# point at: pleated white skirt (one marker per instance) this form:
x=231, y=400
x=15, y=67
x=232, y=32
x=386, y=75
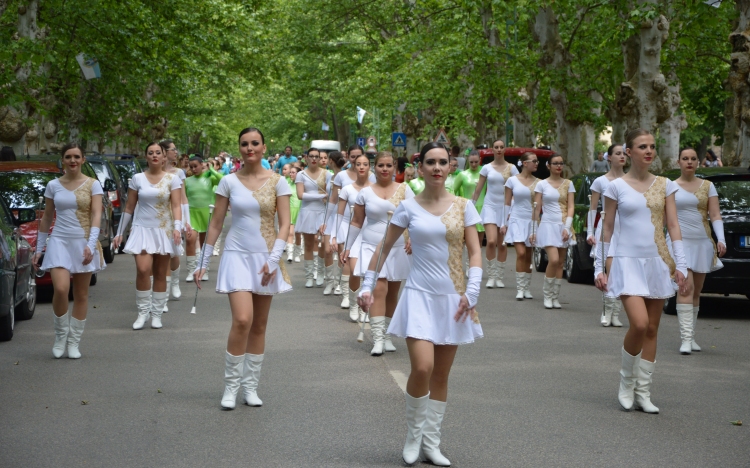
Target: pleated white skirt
x=395, y=268
x=644, y=277
x=519, y=230
x=65, y=252
x=238, y=271
x=153, y=241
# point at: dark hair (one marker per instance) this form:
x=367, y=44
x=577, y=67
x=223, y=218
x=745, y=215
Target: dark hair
x=153, y=143
x=355, y=147
x=337, y=158
x=498, y=139
x=7, y=154
x=708, y=151
x=195, y=157
x=633, y=134
x=556, y=155
x=362, y=156
x=430, y=146
x=71, y=146
x=311, y=150
x=611, y=148
x=401, y=163
x=288, y=148
x=526, y=156
x=455, y=149
x=252, y=129
x=691, y=148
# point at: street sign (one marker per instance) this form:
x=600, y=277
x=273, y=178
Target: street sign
x=442, y=138
x=398, y=140
x=361, y=141
x=372, y=142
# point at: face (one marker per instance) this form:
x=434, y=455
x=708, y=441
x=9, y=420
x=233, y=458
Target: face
x=155, y=156
x=643, y=150
x=409, y=174
x=323, y=162
x=354, y=154
x=617, y=158
x=185, y=163
x=72, y=160
x=196, y=167
x=252, y=148
x=435, y=167
x=285, y=170
x=384, y=168
x=293, y=172
x=601, y=156
x=362, y=166
x=556, y=165
x=313, y=159
x=531, y=164
x=499, y=148
x=474, y=162
x=171, y=152
x=454, y=165
x=288, y=152
x=688, y=161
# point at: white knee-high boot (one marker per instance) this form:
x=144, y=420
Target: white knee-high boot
x=616, y=308
x=320, y=278
x=158, y=301
x=491, y=273
x=548, y=290
x=174, y=280
x=62, y=329
x=345, y=297
x=377, y=328
x=685, y=319
x=191, y=263
x=694, y=345
x=289, y=252
x=297, y=253
x=232, y=373
x=387, y=343
x=628, y=374
x=643, y=387
x=431, y=434
x=520, y=277
x=309, y=273
x=556, y=294
x=353, y=307
x=74, y=337
x=606, y=318
x=527, y=283
x=499, y=274
x=416, y=414
x=143, y=303
x=329, y=281
x=251, y=379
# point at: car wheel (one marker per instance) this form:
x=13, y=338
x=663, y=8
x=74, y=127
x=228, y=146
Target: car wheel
x=93, y=280
x=6, y=327
x=109, y=252
x=670, y=306
x=25, y=310
x=539, y=258
x=573, y=267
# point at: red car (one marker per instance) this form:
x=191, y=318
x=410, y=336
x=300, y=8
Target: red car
x=22, y=185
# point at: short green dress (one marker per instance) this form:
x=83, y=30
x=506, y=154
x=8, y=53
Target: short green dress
x=293, y=201
x=464, y=185
x=200, y=194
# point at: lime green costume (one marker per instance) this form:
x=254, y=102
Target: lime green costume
x=417, y=185
x=450, y=181
x=294, y=202
x=200, y=193
x=464, y=185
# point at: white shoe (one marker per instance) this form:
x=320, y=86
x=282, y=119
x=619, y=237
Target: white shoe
x=527, y=282
x=431, y=434
x=387, y=343
x=606, y=317
x=364, y=317
x=377, y=329
x=205, y=276
x=345, y=297
x=62, y=329
x=336, y=278
x=158, y=302
x=191, y=264
x=491, y=272
x=685, y=320
x=547, y=289
x=289, y=252
x=74, y=337
x=556, y=294
x=353, y=307
x=175, y=282
x=628, y=374
x=143, y=303
x=329, y=281
x=416, y=414
x=320, y=277
x=315, y=266
x=616, y=308
x=251, y=378
x=232, y=373
x=519, y=285
x=694, y=346
x=643, y=388
x=309, y=273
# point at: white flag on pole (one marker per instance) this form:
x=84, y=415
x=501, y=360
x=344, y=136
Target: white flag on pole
x=325, y=127
x=360, y=114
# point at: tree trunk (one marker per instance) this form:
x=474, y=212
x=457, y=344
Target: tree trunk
x=739, y=73
x=522, y=110
x=731, y=135
x=672, y=127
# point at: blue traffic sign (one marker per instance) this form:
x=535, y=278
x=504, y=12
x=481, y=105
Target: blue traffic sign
x=398, y=140
x=361, y=141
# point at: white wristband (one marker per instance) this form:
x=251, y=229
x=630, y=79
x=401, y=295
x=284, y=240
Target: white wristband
x=503, y=215
x=124, y=223
x=568, y=223
x=678, y=253
x=353, y=233
x=600, y=258
x=719, y=231
x=368, y=284
x=93, y=238
x=41, y=240
x=473, y=286
x=177, y=225
x=208, y=250
x=185, y=214
x=274, y=256
x=590, y=221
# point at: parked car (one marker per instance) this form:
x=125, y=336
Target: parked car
x=17, y=281
x=513, y=154
x=127, y=169
x=105, y=170
x=22, y=186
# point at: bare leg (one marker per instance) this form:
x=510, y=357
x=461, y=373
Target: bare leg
x=553, y=262
x=354, y=281
x=81, y=283
x=502, y=249
x=444, y=356
x=644, y=316
x=61, y=285
x=561, y=253
x=290, y=239
x=379, y=294
x=391, y=299
x=241, y=305
x=160, y=268
x=492, y=233
x=191, y=244
x=256, y=340
x=143, y=264
x=698, y=280
x=521, y=265
x=422, y=358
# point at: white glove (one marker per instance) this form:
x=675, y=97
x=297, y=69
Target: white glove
x=41, y=240
x=368, y=284
x=93, y=238
x=590, y=220
x=339, y=219
x=185, y=214
x=718, y=230
x=313, y=196
x=599, y=260
x=275, y=256
x=503, y=215
x=678, y=253
x=124, y=223
x=208, y=250
x=178, y=225
x=568, y=224
x=473, y=286
x=353, y=233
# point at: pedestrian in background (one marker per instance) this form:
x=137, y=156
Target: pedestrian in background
x=599, y=165
x=712, y=160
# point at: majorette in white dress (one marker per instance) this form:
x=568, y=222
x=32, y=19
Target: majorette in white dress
x=554, y=211
x=70, y=234
x=251, y=237
x=641, y=264
x=342, y=180
x=397, y=265
x=520, y=221
x=494, y=199
x=600, y=186
x=692, y=214
x=312, y=210
x=436, y=281
x=349, y=195
x=153, y=223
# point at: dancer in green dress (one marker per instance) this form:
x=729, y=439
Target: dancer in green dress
x=451, y=179
x=199, y=189
x=417, y=185
x=290, y=173
x=466, y=182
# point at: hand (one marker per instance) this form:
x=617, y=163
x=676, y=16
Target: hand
x=407, y=247
x=333, y=242
x=365, y=301
x=116, y=242
x=197, y=275
x=679, y=278
x=188, y=234
x=322, y=229
x=188, y=229
x=87, y=255
x=35, y=260
x=503, y=232
x=267, y=277
x=329, y=249
x=532, y=239
x=345, y=257
x=464, y=311
x=721, y=248
x=565, y=235
x=176, y=237
x=601, y=282
x=591, y=240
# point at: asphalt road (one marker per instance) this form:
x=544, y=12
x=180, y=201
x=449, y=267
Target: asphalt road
x=538, y=390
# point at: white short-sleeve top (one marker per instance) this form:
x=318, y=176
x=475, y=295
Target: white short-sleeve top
x=437, y=245
x=349, y=195
x=554, y=200
x=600, y=186
x=72, y=207
x=318, y=186
x=253, y=211
x=343, y=180
x=523, y=198
x=495, y=195
x=154, y=208
x=640, y=232
x=692, y=210
x=376, y=212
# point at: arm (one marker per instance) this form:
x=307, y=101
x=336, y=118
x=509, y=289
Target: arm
x=715, y=215
x=478, y=189
x=535, y=214
x=44, y=225
x=506, y=210
x=214, y=176
x=176, y=214
x=591, y=218
x=467, y=304
x=96, y=221
x=600, y=273
x=335, y=189
x=678, y=253
x=127, y=215
x=569, y=216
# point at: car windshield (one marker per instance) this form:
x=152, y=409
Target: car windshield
x=101, y=172
x=734, y=196
x=23, y=189
x=127, y=171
